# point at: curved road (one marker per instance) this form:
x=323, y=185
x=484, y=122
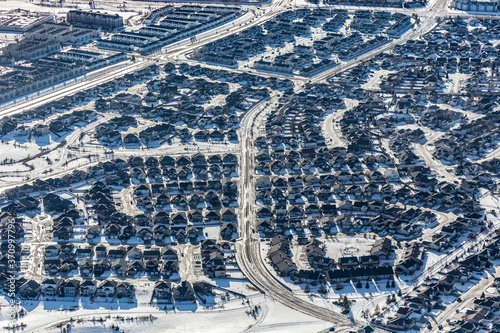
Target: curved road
x=248, y=254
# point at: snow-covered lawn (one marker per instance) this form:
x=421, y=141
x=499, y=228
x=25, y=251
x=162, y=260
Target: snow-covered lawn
x=348, y=246
x=231, y=317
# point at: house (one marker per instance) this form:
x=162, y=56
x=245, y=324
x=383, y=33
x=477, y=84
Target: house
x=369, y=261
x=152, y=268
x=88, y=288
x=145, y=234
x=487, y=303
x=308, y=276
x=53, y=202
x=404, y=312
x=227, y=231
x=184, y=292
x=30, y=289
x=263, y=183
x=381, y=248
x=321, y=263
x=163, y=290
x=106, y=289
x=339, y=275
x=212, y=216
x=266, y=228
x=169, y=268
x=84, y=252
x=117, y=253
x=286, y=267
x=50, y=287
x=196, y=216
x=134, y=252
x=348, y=262
x=52, y=251
x=124, y=289
x=411, y=259
x=219, y=271
x=400, y=324
x=86, y=267
x=135, y=267
x=169, y=254
x=100, y=251
x=203, y=288
x=228, y=215
x=101, y=266
x=69, y=288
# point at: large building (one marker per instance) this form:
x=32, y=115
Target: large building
x=30, y=49
x=63, y=33
x=19, y=22
x=476, y=6
x=105, y=21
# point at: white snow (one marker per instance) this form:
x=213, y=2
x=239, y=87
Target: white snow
x=231, y=317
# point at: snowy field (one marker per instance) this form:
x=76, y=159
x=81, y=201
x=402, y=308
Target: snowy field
x=272, y=317
x=110, y=7
x=340, y=247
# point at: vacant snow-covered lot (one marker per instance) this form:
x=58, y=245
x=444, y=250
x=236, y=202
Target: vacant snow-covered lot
x=232, y=317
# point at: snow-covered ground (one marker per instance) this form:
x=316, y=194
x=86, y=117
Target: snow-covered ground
x=348, y=246
x=108, y=7
x=231, y=317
